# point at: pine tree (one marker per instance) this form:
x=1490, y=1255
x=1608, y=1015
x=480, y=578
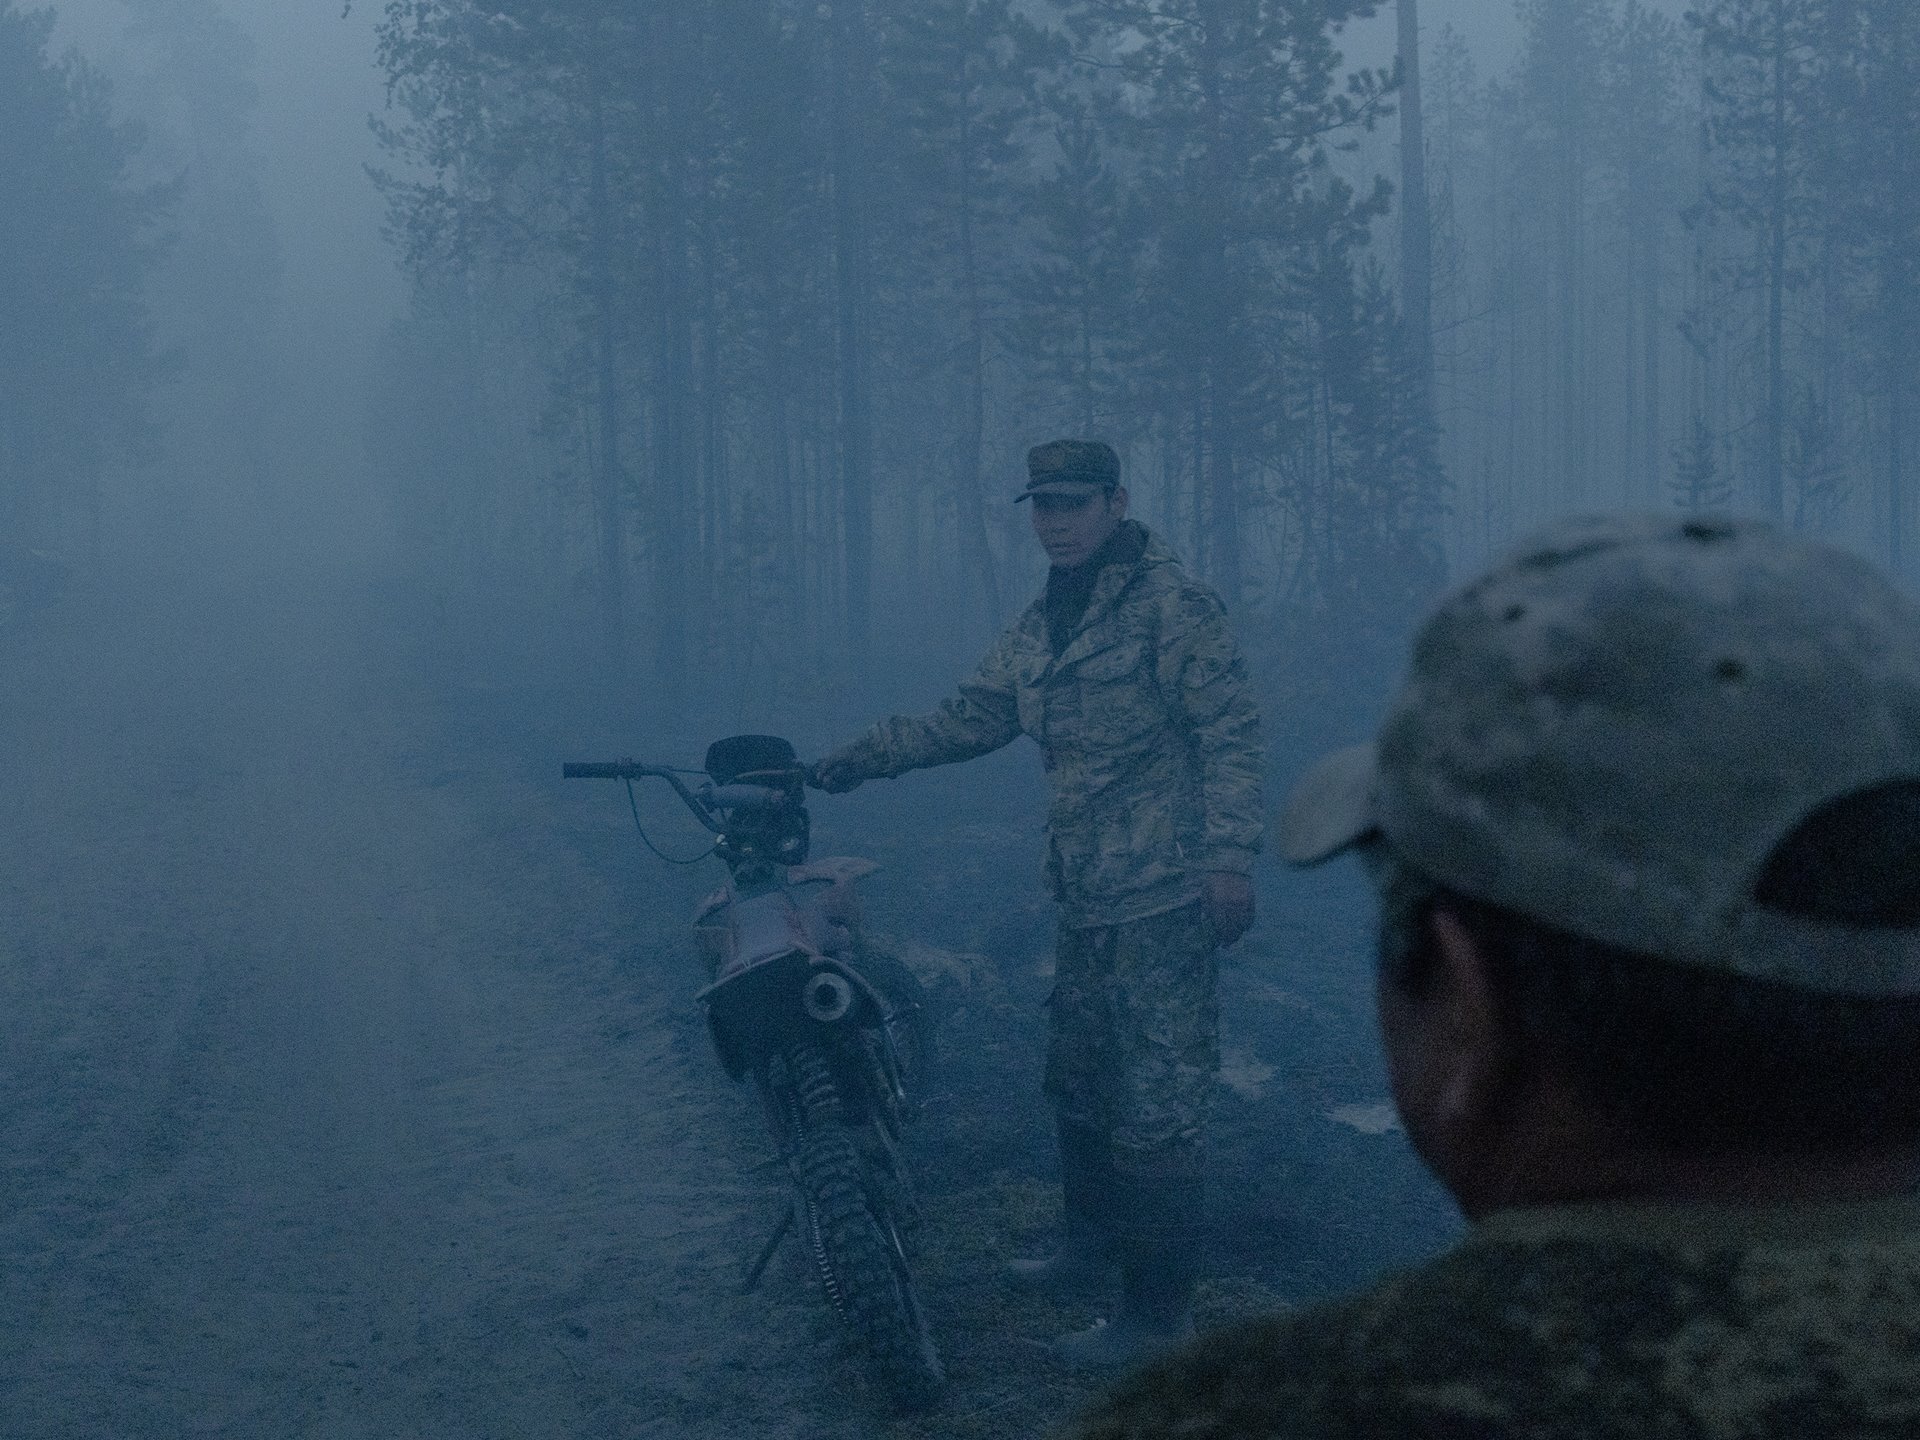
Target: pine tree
x=78, y=242
x=1697, y=482
x=1226, y=106
x=1875, y=197
x=1643, y=127
x=1075, y=298
x=1463, y=305
x=1766, y=64
x=1816, y=478
x=216, y=294
x=1559, y=99
x=1416, y=223
x=961, y=77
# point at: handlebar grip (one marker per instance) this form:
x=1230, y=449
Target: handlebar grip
x=594, y=770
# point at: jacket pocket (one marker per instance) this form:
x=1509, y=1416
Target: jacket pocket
x=1114, y=698
x=1124, y=660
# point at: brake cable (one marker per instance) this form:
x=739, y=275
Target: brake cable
x=634, y=805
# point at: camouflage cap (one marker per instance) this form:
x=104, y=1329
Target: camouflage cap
x=1613, y=730
x=1063, y=466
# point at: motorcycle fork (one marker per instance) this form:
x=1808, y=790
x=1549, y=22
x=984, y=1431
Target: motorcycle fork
x=785, y=1110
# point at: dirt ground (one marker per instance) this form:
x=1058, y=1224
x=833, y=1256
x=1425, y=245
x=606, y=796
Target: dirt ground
x=350, y=1083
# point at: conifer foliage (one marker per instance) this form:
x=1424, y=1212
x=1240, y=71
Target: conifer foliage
x=800, y=283
x=78, y=238
x=1677, y=262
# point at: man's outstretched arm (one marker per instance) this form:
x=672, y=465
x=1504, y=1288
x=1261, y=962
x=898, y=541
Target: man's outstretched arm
x=980, y=717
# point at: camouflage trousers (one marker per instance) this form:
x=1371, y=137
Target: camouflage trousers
x=1134, y=1042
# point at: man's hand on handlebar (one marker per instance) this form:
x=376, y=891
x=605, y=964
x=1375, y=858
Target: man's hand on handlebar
x=834, y=775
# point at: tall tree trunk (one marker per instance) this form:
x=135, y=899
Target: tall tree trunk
x=1898, y=296
x=1632, y=348
x=1650, y=337
x=1087, y=406
x=1896, y=480
x=1574, y=312
x=674, y=447
x=851, y=81
x=971, y=509
x=788, y=518
x=1776, y=419
x=1198, y=498
x=1416, y=225
x=1644, y=314
x=609, y=477
x=1225, y=496
x=1510, y=447
x=1222, y=374
x=716, y=496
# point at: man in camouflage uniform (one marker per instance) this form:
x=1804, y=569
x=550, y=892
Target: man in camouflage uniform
x=1645, y=818
x=1125, y=673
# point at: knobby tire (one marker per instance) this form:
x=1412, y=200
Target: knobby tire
x=854, y=1245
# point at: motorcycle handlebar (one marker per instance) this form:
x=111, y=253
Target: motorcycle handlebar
x=706, y=803
x=702, y=810
x=597, y=770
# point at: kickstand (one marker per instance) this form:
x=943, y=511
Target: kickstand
x=759, y=1266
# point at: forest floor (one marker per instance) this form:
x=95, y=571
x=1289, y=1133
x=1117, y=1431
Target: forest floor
x=352, y=1085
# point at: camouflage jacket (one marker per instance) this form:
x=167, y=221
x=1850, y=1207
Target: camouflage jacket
x=1605, y=1322
x=1147, y=727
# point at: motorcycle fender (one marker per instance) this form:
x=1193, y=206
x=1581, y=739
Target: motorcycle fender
x=834, y=869
x=765, y=927
x=739, y=972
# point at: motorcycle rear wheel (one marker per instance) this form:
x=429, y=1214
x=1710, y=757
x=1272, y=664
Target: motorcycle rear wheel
x=862, y=1265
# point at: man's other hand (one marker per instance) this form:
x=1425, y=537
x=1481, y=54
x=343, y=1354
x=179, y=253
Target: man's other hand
x=1229, y=901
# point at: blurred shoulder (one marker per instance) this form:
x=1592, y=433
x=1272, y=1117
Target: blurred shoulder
x=1272, y=1377
x=1442, y=1349
x=1594, y=1323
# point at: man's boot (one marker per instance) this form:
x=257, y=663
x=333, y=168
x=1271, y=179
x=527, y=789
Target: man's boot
x=1160, y=1233
x=1084, y=1257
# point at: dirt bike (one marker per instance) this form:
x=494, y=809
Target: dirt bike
x=826, y=1029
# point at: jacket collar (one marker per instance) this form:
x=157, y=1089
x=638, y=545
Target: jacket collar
x=1115, y=580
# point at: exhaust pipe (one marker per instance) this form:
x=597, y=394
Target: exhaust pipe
x=826, y=997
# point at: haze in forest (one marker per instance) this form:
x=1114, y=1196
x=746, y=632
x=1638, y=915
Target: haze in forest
x=337, y=281
x=647, y=373
x=690, y=355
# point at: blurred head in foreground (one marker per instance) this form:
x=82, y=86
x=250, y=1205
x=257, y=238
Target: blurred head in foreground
x=1645, y=821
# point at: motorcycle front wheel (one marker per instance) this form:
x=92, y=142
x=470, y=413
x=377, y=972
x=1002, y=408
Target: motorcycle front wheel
x=862, y=1265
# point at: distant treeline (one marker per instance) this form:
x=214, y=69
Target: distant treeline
x=732, y=321
x=740, y=316
x=138, y=283
x=78, y=242
x=1676, y=261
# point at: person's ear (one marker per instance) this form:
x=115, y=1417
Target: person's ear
x=1117, y=502
x=1473, y=1050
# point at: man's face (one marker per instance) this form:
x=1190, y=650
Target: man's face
x=1073, y=524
